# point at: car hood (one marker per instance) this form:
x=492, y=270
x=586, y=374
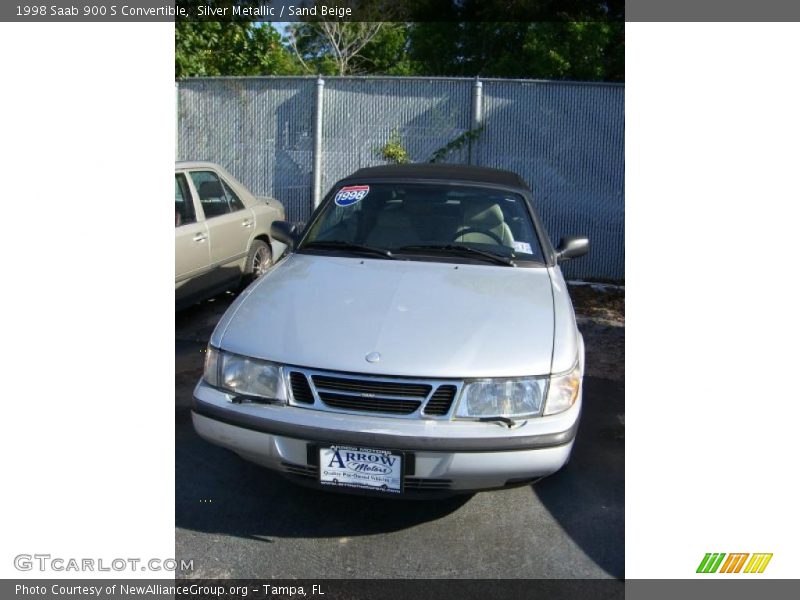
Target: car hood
x=425, y=319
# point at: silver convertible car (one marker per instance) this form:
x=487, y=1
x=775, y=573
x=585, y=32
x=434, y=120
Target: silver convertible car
x=417, y=339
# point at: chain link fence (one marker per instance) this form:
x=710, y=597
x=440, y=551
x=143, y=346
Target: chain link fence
x=565, y=139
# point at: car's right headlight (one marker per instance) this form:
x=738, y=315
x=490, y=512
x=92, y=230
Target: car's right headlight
x=563, y=390
x=244, y=376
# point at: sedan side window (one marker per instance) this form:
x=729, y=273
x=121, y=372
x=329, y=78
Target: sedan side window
x=233, y=199
x=212, y=194
x=184, y=207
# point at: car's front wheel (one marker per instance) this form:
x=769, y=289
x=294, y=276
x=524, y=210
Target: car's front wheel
x=259, y=259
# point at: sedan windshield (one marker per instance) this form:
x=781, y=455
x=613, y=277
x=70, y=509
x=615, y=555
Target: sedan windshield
x=414, y=220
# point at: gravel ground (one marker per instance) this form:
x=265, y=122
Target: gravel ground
x=600, y=311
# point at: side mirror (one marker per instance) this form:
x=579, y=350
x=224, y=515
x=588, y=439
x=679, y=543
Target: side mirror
x=284, y=232
x=571, y=247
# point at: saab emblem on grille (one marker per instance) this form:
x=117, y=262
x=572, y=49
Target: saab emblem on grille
x=373, y=357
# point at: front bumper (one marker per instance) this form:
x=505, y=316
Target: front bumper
x=455, y=456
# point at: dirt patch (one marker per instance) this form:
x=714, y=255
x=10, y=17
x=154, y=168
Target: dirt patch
x=599, y=301
x=600, y=311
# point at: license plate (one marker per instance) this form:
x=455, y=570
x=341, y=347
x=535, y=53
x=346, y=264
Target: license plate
x=365, y=468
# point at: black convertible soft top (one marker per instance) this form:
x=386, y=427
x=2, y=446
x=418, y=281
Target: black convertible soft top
x=442, y=171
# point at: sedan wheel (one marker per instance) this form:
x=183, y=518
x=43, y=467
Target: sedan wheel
x=259, y=260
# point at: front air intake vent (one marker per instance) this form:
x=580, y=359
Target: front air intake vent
x=301, y=391
x=441, y=401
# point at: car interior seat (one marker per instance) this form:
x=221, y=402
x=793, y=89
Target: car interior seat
x=484, y=223
x=392, y=229
x=434, y=220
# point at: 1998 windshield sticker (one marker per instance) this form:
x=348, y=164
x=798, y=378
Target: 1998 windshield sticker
x=350, y=194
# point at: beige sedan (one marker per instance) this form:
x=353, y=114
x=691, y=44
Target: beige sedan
x=221, y=232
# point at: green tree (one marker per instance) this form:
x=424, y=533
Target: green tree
x=214, y=48
x=591, y=50
x=388, y=54
x=350, y=48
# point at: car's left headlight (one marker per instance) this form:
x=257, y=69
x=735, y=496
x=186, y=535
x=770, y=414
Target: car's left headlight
x=520, y=397
x=244, y=376
x=510, y=398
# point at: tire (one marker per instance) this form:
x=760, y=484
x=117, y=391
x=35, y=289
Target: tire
x=259, y=259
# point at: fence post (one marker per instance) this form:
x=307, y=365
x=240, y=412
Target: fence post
x=177, y=121
x=317, y=169
x=477, y=111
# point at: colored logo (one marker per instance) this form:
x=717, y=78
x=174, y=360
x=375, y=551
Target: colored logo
x=719, y=562
x=350, y=194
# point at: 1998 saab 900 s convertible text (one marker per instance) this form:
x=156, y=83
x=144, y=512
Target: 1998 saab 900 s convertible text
x=418, y=337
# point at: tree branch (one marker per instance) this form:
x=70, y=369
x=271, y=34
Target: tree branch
x=293, y=43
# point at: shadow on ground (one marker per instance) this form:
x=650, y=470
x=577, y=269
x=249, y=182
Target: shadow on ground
x=587, y=497
x=253, y=502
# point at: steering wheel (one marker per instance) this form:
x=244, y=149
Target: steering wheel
x=485, y=232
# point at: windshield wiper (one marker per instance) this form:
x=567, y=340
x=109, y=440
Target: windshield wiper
x=460, y=249
x=342, y=245
x=504, y=420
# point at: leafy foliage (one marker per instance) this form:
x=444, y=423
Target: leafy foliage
x=352, y=48
x=456, y=143
x=393, y=151
x=591, y=49
x=587, y=51
x=233, y=48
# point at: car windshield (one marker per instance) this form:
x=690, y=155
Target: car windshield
x=414, y=219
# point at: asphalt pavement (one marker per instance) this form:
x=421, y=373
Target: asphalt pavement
x=235, y=519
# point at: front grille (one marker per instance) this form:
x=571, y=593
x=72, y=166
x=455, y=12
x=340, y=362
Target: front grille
x=366, y=386
x=373, y=394
x=300, y=388
x=389, y=406
x=441, y=401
